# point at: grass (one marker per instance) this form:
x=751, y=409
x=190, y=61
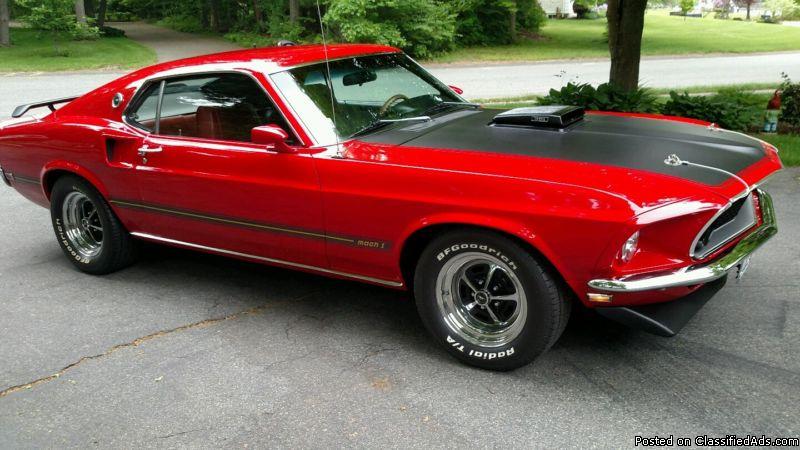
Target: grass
x=663, y=35
x=788, y=145
x=34, y=50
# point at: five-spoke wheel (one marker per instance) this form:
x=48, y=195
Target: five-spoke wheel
x=489, y=301
x=481, y=299
x=87, y=229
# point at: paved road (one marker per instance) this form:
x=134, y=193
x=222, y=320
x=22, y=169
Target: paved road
x=479, y=82
x=187, y=350
x=489, y=81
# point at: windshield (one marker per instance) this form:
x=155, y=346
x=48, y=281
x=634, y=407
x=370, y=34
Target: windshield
x=366, y=91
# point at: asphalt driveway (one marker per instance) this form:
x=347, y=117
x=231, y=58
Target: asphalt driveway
x=188, y=350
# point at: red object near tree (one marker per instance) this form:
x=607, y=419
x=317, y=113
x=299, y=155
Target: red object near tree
x=775, y=101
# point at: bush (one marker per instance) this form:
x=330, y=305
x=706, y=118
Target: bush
x=790, y=102
x=83, y=32
x=728, y=109
x=422, y=28
x=486, y=22
x=48, y=15
x=107, y=31
x=581, y=8
x=606, y=97
x=56, y=16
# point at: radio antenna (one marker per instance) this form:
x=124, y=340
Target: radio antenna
x=329, y=80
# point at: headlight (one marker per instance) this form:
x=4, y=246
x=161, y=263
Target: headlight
x=629, y=248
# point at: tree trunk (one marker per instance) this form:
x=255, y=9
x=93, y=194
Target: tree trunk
x=80, y=11
x=625, y=26
x=213, y=15
x=5, y=34
x=294, y=11
x=748, y=10
x=257, y=13
x=513, y=25
x=101, y=13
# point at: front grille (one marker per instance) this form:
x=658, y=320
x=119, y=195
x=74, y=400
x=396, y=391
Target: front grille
x=733, y=221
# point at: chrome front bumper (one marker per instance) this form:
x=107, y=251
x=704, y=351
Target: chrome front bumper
x=693, y=275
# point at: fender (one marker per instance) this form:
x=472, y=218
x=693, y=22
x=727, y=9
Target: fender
x=499, y=224
x=74, y=168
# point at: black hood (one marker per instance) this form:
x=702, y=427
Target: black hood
x=635, y=143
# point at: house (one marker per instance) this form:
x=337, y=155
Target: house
x=557, y=8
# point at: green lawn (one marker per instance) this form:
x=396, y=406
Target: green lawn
x=663, y=35
x=788, y=145
x=33, y=50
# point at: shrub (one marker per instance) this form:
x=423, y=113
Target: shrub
x=581, y=8
x=790, y=102
x=686, y=6
x=422, y=28
x=486, y=22
x=83, y=32
x=606, y=97
x=108, y=31
x=728, y=109
x=48, y=15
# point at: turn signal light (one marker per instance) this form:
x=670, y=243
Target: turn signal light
x=600, y=298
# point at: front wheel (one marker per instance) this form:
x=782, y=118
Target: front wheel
x=89, y=233
x=488, y=301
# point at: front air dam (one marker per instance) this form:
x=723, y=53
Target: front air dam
x=664, y=319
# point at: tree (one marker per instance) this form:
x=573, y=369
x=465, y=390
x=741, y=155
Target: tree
x=625, y=27
x=80, y=11
x=294, y=11
x=686, y=6
x=747, y=4
x=5, y=36
x=102, y=7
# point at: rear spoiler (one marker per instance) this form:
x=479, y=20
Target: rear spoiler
x=20, y=110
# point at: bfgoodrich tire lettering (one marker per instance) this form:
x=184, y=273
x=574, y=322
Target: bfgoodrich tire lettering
x=87, y=230
x=488, y=301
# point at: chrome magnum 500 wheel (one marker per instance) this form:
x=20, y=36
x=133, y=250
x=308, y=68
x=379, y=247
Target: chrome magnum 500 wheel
x=488, y=301
x=89, y=233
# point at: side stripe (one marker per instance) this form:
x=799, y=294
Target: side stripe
x=26, y=180
x=356, y=242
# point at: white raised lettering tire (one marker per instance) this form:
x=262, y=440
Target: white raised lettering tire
x=88, y=231
x=488, y=301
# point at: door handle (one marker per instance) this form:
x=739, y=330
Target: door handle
x=145, y=150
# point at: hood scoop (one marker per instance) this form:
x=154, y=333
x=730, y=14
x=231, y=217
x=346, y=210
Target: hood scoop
x=555, y=117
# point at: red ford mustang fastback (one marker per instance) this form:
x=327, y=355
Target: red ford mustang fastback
x=368, y=168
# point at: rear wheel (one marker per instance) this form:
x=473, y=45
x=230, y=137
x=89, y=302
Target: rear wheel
x=89, y=233
x=488, y=301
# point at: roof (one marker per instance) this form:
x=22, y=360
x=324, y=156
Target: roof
x=283, y=57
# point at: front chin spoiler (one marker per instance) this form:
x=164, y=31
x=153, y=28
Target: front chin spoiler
x=664, y=319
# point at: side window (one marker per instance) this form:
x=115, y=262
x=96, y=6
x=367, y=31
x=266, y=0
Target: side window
x=220, y=106
x=143, y=112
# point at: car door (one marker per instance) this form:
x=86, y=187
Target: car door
x=203, y=183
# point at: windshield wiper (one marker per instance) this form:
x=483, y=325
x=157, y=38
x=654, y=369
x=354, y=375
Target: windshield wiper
x=471, y=105
x=441, y=105
x=380, y=123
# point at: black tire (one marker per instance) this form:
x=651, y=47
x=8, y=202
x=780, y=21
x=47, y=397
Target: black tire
x=547, y=304
x=113, y=250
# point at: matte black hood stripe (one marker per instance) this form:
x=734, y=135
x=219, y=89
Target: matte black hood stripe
x=634, y=143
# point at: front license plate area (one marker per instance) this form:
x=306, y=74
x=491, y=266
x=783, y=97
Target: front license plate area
x=741, y=269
